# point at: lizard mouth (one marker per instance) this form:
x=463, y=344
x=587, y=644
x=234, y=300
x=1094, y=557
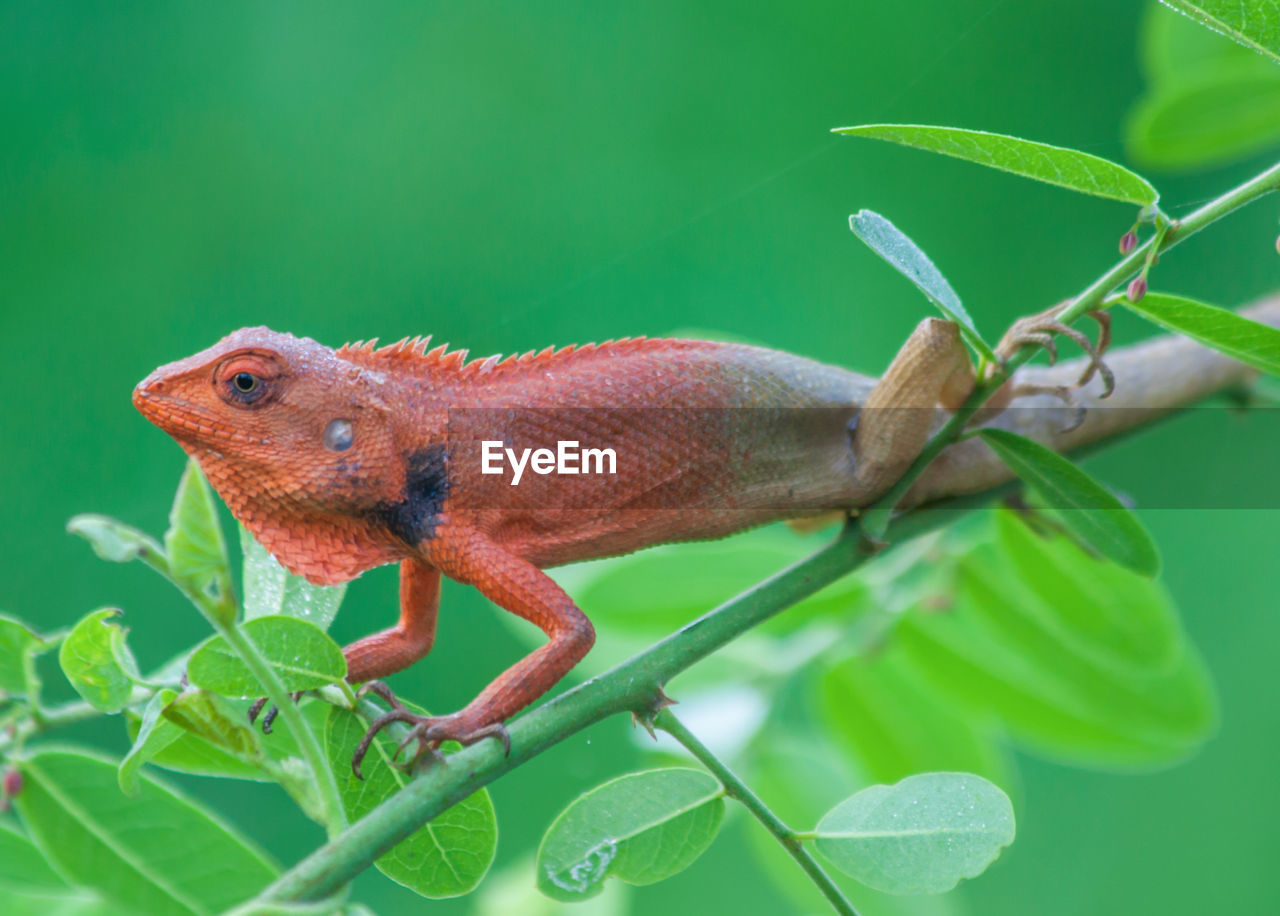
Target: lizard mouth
x=181, y=419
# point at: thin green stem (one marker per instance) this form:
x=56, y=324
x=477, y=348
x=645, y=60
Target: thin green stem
x=736, y=789
x=221, y=611
x=335, y=818
x=34, y=722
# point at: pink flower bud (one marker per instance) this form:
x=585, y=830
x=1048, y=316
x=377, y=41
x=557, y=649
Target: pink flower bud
x=12, y=783
x=1137, y=289
x=1128, y=242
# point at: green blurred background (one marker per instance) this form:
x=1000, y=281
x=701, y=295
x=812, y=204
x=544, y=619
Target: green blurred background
x=507, y=176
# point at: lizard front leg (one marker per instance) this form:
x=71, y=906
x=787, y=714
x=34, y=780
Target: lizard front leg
x=398, y=647
x=518, y=586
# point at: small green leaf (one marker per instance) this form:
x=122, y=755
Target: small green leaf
x=18, y=647
x=920, y=836
x=892, y=244
x=113, y=540
x=210, y=717
x=303, y=655
x=97, y=662
x=194, y=543
x=192, y=754
x=1253, y=23
x=1083, y=504
x=1255, y=344
x=1056, y=165
x=445, y=857
x=639, y=828
x=154, y=735
x=159, y=854
x=270, y=589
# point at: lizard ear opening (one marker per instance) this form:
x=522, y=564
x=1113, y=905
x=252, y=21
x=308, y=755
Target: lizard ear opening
x=338, y=435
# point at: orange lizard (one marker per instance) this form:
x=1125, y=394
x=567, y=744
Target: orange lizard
x=339, y=461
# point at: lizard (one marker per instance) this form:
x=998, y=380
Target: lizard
x=338, y=461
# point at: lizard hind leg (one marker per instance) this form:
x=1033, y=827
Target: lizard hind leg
x=1039, y=331
x=931, y=369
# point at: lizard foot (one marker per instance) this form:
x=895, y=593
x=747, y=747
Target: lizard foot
x=271, y=713
x=429, y=731
x=1039, y=331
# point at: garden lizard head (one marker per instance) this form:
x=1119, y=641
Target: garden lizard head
x=298, y=441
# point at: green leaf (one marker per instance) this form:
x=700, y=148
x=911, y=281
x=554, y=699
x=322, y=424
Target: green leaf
x=1213, y=123
x=29, y=887
x=18, y=647
x=192, y=754
x=892, y=244
x=1083, y=504
x=920, y=836
x=1099, y=611
x=159, y=854
x=302, y=654
x=1253, y=23
x=890, y=723
x=68, y=902
x=445, y=857
x=194, y=543
x=97, y=662
x=799, y=775
x=210, y=717
x=1066, y=168
x=270, y=589
x=113, y=540
x=1254, y=344
x=22, y=866
x=639, y=828
x=512, y=891
x=1008, y=650
x=1209, y=100
x=154, y=735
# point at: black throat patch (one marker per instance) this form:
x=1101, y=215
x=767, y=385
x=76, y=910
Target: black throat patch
x=414, y=518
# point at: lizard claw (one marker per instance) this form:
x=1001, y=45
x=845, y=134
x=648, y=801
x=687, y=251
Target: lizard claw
x=379, y=689
x=432, y=731
x=271, y=713
x=429, y=731
x=1039, y=331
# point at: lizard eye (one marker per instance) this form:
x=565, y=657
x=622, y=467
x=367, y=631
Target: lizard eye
x=248, y=379
x=245, y=387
